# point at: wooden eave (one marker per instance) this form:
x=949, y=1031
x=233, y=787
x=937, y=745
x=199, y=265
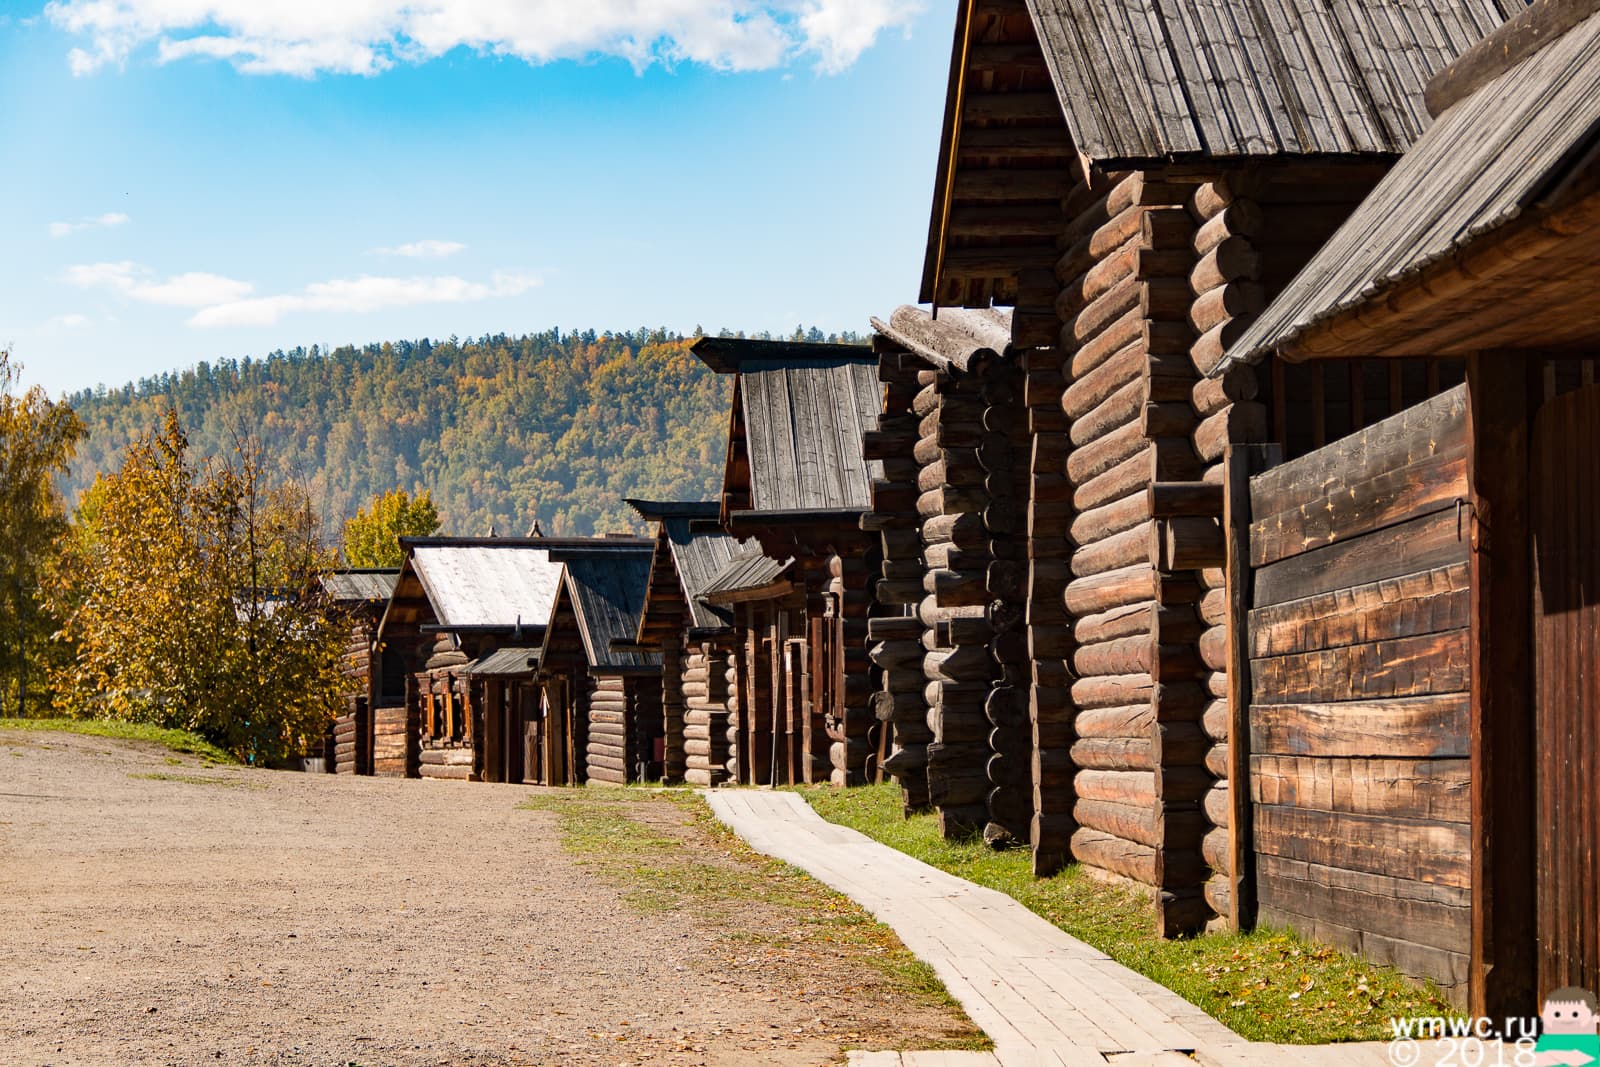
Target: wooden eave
x=1006, y=162
x=773, y=591
x=1527, y=285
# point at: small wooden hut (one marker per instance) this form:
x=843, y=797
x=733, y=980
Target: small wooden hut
x=797, y=482
x=1136, y=183
x=603, y=693
x=465, y=712
x=1413, y=610
x=362, y=595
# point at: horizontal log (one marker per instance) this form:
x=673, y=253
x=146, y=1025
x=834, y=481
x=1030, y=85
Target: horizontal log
x=1113, y=754
x=1409, y=666
x=1237, y=383
x=1094, y=848
x=1243, y=422
x=1208, y=350
x=1113, y=589
x=1172, y=499
x=1117, y=551
x=1240, y=218
x=1218, y=806
x=1232, y=259
x=1126, y=478
x=1113, y=691
x=1186, y=544
x=446, y=772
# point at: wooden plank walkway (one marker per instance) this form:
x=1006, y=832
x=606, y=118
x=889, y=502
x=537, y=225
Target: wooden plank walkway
x=1044, y=997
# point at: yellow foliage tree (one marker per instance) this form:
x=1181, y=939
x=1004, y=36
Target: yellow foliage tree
x=189, y=594
x=372, y=538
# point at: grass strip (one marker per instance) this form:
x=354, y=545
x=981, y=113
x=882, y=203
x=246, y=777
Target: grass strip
x=659, y=870
x=177, y=740
x=1267, y=985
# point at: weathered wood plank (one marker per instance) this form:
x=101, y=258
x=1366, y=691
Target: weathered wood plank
x=1434, y=726
x=1407, y=666
x=1421, y=544
x=1437, y=790
x=1398, y=847
x=1424, y=603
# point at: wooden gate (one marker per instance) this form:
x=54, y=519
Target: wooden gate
x=1565, y=515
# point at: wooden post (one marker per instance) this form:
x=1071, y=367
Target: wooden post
x=1241, y=462
x=1503, y=967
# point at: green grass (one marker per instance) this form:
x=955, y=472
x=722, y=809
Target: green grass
x=177, y=740
x=1268, y=985
x=662, y=871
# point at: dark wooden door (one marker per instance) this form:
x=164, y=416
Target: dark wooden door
x=1565, y=512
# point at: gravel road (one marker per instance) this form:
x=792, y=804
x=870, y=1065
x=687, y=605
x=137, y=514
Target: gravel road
x=159, y=911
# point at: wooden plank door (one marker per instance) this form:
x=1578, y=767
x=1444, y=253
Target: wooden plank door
x=1565, y=518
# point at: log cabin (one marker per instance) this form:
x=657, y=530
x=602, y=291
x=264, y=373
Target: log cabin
x=1136, y=181
x=457, y=601
x=796, y=482
x=1413, y=615
x=602, y=693
x=695, y=639
x=361, y=594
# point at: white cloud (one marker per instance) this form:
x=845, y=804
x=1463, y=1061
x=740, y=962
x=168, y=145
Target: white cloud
x=365, y=294
x=70, y=322
x=223, y=301
x=422, y=250
x=99, y=222
x=308, y=37
x=194, y=289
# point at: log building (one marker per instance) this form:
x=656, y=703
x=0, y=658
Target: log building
x=362, y=595
x=604, y=697
x=695, y=639
x=457, y=602
x=796, y=481
x=1136, y=184
x=1413, y=609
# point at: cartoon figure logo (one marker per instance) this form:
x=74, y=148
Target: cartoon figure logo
x=1570, y=1017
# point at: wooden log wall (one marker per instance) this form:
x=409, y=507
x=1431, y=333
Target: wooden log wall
x=1137, y=694
x=895, y=636
x=849, y=722
x=1004, y=455
x=1358, y=726
x=673, y=708
x=395, y=750
x=706, y=731
x=956, y=663
x=352, y=738
x=608, y=749
x=358, y=662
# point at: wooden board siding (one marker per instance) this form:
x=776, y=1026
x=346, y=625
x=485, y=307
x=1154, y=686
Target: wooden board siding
x=1359, y=718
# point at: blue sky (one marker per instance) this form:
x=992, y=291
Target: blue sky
x=223, y=186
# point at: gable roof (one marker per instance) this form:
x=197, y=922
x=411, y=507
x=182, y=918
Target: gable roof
x=606, y=590
x=699, y=554
x=360, y=585
x=1142, y=81
x=1499, y=153
x=487, y=585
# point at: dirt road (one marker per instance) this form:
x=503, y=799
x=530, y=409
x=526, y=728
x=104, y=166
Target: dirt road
x=160, y=911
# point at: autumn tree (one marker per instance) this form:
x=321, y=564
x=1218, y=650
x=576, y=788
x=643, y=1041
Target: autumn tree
x=37, y=439
x=189, y=593
x=372, y=538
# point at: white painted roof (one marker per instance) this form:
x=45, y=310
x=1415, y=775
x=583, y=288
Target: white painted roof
x=479, y=585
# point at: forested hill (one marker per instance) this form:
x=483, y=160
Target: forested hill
x=501, y=430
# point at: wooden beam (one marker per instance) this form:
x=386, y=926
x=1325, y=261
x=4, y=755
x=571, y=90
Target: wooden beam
x=1516, y=40
x=1502, y=971
x=1240, y=462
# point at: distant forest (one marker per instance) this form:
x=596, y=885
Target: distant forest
x=501, y=430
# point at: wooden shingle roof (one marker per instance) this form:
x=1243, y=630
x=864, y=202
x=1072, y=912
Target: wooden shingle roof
x=699, y=554
x=1142, y=81
x=1492, y=157
x=607, y=590
x=803, y=422
x=360, y=585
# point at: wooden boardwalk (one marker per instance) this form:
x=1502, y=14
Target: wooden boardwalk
x=1044, y=997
